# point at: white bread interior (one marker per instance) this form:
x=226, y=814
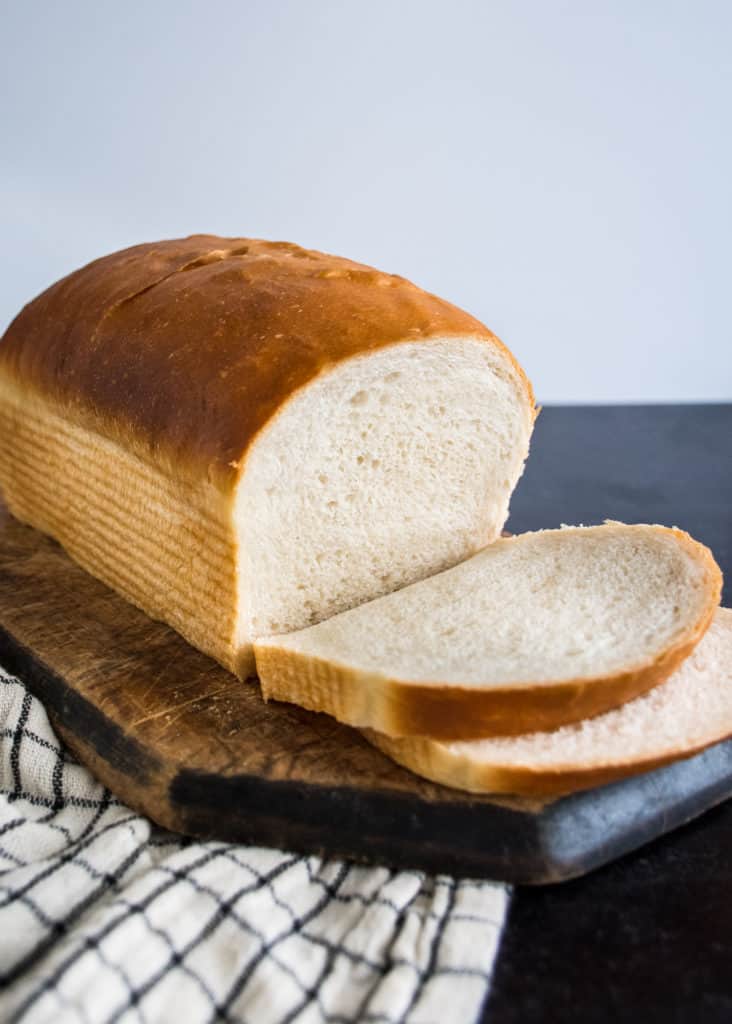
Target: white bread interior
x=690, y=711
x=388, y=469
x=537, y=629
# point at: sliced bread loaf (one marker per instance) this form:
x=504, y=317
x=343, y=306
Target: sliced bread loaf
x=244, y=437
x=532, y=632
x=690, y=711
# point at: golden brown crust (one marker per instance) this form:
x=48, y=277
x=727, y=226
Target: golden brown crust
x=182, y=350
x=436, y=762
x=400, y=708
x=167, y=546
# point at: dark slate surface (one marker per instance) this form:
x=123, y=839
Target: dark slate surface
x=648, y=938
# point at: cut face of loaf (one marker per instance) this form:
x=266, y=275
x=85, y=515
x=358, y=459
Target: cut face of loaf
x=690, y=711
x=388, y=469
x=245, y=437
x=530, y=633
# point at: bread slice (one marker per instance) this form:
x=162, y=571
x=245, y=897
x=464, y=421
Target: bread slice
x=244, y=437
x=687, y=713
x=533, y=632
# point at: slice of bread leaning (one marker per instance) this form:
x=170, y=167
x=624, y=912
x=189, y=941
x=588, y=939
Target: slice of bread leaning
x=690, y=711
x=531, y=633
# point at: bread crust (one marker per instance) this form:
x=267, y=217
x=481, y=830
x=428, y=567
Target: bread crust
x=165, y=545
x=440, y=763
x=399, y=708
x=182, y=350
x=435, y=762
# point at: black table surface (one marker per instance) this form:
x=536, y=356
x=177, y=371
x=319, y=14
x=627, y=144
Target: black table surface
x=648, y=938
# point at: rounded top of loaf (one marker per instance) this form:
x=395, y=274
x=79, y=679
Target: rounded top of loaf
x=183, y=349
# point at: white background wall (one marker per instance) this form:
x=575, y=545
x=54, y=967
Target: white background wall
x=561, y=169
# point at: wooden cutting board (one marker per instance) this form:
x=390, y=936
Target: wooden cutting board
x=178, y=738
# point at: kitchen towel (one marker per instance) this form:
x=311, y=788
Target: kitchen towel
x=105, y=917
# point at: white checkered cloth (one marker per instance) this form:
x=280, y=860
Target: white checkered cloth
x=105, y=917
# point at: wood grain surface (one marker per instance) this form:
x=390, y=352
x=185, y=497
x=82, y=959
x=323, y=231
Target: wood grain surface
x=185, y=742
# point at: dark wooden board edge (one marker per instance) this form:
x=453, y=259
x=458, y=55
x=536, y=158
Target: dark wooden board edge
x=572, y=837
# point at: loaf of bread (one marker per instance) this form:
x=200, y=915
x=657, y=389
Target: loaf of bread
x=533, y=632
x=690, y=711
x=245, y=437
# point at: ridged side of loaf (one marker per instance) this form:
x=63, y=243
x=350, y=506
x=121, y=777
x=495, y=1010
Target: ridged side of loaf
x=163, y=544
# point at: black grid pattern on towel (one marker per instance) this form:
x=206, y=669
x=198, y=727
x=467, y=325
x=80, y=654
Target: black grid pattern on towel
x=104, y=917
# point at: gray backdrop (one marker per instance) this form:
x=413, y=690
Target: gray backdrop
x=561, y=169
